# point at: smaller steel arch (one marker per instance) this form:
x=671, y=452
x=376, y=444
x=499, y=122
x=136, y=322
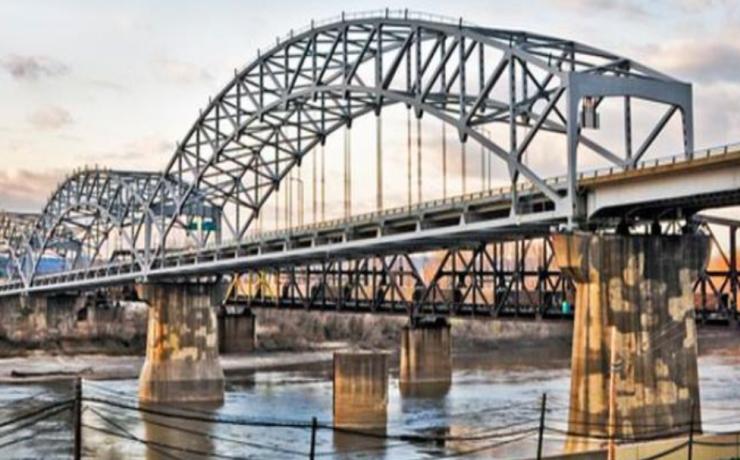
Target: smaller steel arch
x=13, y=228
x=79, y=217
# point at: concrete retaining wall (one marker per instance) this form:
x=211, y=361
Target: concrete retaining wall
x=39, y=321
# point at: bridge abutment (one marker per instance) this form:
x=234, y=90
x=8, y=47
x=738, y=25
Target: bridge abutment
x=426, y=357
x=236, y=330
x=361, y=389
x=182, y=362
x=635, y=314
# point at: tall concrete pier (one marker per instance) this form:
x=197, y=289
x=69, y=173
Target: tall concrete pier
x=426, y=358
x=635, y=309
x=182, y=362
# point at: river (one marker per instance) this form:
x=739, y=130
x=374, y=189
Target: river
x=495, y=396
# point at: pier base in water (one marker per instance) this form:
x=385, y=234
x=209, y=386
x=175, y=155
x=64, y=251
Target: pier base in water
x=182, y=362
x=634, y=341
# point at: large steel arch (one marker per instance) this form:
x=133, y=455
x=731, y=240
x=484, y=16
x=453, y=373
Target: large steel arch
x=277, y=108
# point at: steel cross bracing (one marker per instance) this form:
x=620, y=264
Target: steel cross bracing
x=306, y=87
x=503, y=279
x=716, y=291
x=513, y=279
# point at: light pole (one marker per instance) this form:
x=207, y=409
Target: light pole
x=485, y=160
x=299, y=181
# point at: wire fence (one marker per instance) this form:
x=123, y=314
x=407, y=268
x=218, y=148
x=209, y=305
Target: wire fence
x=112, y=414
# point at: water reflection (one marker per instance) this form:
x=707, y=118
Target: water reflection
x=425, y=390
x=353, y=441
x=186, y=436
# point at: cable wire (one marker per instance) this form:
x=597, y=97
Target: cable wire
x=217, y=437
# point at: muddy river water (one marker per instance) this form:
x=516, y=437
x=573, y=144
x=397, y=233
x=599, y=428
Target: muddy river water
x=495, y=399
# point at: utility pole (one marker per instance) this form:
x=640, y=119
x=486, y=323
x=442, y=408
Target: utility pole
x=541, y=434
x=691, y=432
x=408, y=155
x=78, y=419
x=418, y=160
x=379, y=162
x=612, y=423
x=299, y=192
x=314, y=428
x=444, y=160
x=323, y=183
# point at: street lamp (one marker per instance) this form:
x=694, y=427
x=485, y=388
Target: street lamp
x=485, y=172
x=299, y=181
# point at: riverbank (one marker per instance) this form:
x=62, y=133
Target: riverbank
x=281, y=331
x=470, y=341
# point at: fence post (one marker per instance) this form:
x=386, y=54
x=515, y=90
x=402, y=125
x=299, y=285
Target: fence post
x=542, y=426
x=78, y=418
x=314, y=427
x=691, y=432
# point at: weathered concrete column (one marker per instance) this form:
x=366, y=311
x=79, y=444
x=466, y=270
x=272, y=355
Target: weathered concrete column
x=35, y=319
x=360, y=389
x=236, y=330
x=182, y=363
x=426, y=358
x=23, y=319
x=634, y=307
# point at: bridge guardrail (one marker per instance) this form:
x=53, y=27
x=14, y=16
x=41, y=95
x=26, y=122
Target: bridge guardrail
x=502, y=192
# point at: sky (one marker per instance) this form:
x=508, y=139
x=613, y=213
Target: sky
x=117, y=84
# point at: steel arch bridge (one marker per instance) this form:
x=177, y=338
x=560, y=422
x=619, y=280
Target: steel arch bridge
x=293, y=96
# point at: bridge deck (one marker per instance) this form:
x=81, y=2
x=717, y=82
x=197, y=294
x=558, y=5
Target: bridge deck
x=457, y=221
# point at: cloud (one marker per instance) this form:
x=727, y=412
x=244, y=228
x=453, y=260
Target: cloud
x=627, y=8
x=32, y=68
x=27, y=190
x=707, y=61
x=50, y=118
x=147, y=147
x=180, y=72
x=107, y=85
x=696, y=6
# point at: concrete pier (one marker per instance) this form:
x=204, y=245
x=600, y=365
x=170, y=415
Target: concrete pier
x=361, y=389
x=426, y=358
x=182, y=363
x=634, y=308
x=236, y=330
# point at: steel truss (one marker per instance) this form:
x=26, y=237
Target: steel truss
x=512, y=279
x=502, y=279
x=306, y=87
x=716, y=290
x=91, y=209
